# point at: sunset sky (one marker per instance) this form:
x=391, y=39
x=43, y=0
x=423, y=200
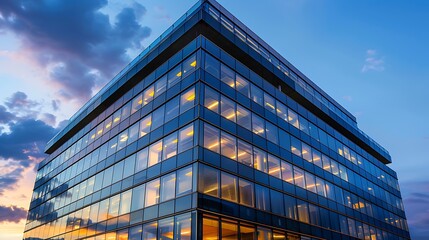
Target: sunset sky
x=370, y=56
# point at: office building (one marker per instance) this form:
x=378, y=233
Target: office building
x=209, y=133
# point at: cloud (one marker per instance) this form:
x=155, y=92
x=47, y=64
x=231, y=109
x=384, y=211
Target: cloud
x=416, y=202
x=19, y=100
x=74, y=41
x=5, y=116
x=11, y=172
x=12, y=214
x=373, y=62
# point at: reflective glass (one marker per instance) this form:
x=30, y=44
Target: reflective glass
x=229, y=187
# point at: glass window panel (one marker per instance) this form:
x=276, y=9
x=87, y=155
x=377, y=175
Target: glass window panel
x=116, y=118
x=227, y=75
x=135, y=233
x=317, y=158
x=160, y=86
x=113, y=144
x=108, y=123
x=293, y=118
x=281, y=111
x=211, y=138
x=314, y=132
x=208, y=181
x=187, y=100
x=125, y=112
x=158, y=117
x=172, y=109
x=247, y=232
x=257, y=95
x=170, y=146
x=150, y=230
x=166, y=228
x=295, y=146
x=245, y=154
x=168, y=184
x=212, y=66
x=287, y=172
x=246, y=193
x=352, y=227
x=152, y=193
x=133, y=133
x=299, y=177
x=310, y=182
x=211, y=99
x=334, y=168
x=314, y=214
x=228, y=146
x=343, y=173
x=210, y=229
x=184, y=181
x=129, y=166
x=122, y=235
x=274, y=166
x=320, y=187
x=306, y=152
x=272, y=132
x=326, y=162
x=155, y=153
x=114, y=206
x=145, y=125
x=290, y=207
x=227, y=109
x=242, y=85
x=108, y=174
x=269, y=103
x=229, y=230
x=174, y=76
x=277, y=205
x=343, y=225
x=183, y=227
x=260, y=160
x=141, y=159
x=258, y=125
x=122, y=139
x=118, y=170
x=303, y=125
x=186, y=138
x=264, y=233
x=262, y=198
x=138, y=196
x=244, y=117
x=189, y=65
x=103, y=210
x=125, y=204
x=228, y=187
x=148, y=95
x=330, y=192
x=303, y=211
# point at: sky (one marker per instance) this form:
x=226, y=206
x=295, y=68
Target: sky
x=371, y=56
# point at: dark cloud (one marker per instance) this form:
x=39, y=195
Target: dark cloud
x=12, y=214
x=9, y=180
x=5, y=116
x=19, y=100
x=49, y=119
x=75, y=41
x=55, y=105
x=416, y=202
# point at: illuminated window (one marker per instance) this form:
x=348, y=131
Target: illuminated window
x=227, y=75
x=299, y=177
x=135, y=232
x=293, y=118
x=186, y=138
x=257, y=95
x=152, y=193
x=326, y=162
x=310, y=182
x=113, y=144
x=211, y=138
x=260, y=160
x=258, y=125
x=279, y=236
x=295, y=146
x=155, y=153
x=317, y=158
x=211, y=100
x=184, y=181
x=183, y=226
x=150, y=230
x=168, y=185
x=227, y=109
x=269, y=103
x=229, y=230
x=281, y=111
x=116, y=118
x=245, y=153
x=160, y=86
x=228, y=146
x=165, y=228
x=244, y=118
x=145, y=125
x=247, y=232
x=242, y=85
x=208, y=181
x=141, y=160
x=245, y=189
x=264, y=233
x=123, y=137
x=189, y=65
x=187, y=100
x=262, y=196
x=287, y=172
x=210, y=229
x=334, y=168
x=303, y=211
x=290, y=207
x=306, y=152
x=174, y=76
x=320, y=187
x=274, y=166
x=170, y=146
x=137, y=103
x=229, y=187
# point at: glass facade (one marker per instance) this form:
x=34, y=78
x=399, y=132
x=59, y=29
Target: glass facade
x=208, y=136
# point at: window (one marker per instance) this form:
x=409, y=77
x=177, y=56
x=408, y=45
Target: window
x=174, y=76
x=187, y=100
x=125, y=204
x=317, y=159
x=211, y=138
x=210, y=228
x=293, y=118
x=211, y=100
x=148, y=95
x=152, y=193
x=343, y=173
x=138, y=197
x=303, y=125
x=246, y=193
x=227, y=75
x=260, y=160
x=287, y=172
x=227, y=109
x=229, y=230
x=314, y=214
x=295, y=146
x=183, y=227
x=150, y=230
x=310, y=182
x=245, y=154
x=242, y=85
x=184, y=181
x=228, y=145
x=274, y=166
x=103, y=210
x=303, y=211
x=264, y=233
x=141, y=160
x=170, y=146
x=155, y=153
x=320, y=187
x=145, y=124
x=244, y=117
x=306, y=152
x=229, y=187
x=281, y=111
x=258, y=126
x=277, y=205
x=172, y=109
x=290, y=207
x=247, y=232
x=208, y=181
x=330, y=191
x=135, y=233
x=160, y=86
x=166, y=228
x=168, y=184
x=212, y=66
x=269, y=103
x=299, y=177
x=189, y=65
x=158, y=117
x=133, y=133
x=326, y=162
x=257, y=95
x=334, y=168
x=262, y=198
x=123, y=137
x=186, y=138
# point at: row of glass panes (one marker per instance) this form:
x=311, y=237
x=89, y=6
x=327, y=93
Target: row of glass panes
x=226, y=186
x=250, y=90
x=283, y=68
x=161, y=115
x=154, y=90
x=167, y=147
x=223, y=228
x=232, y=111
x=235, y=149
x=165, y=188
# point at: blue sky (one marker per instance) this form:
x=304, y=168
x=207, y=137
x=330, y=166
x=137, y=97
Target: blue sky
x=371, y=56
